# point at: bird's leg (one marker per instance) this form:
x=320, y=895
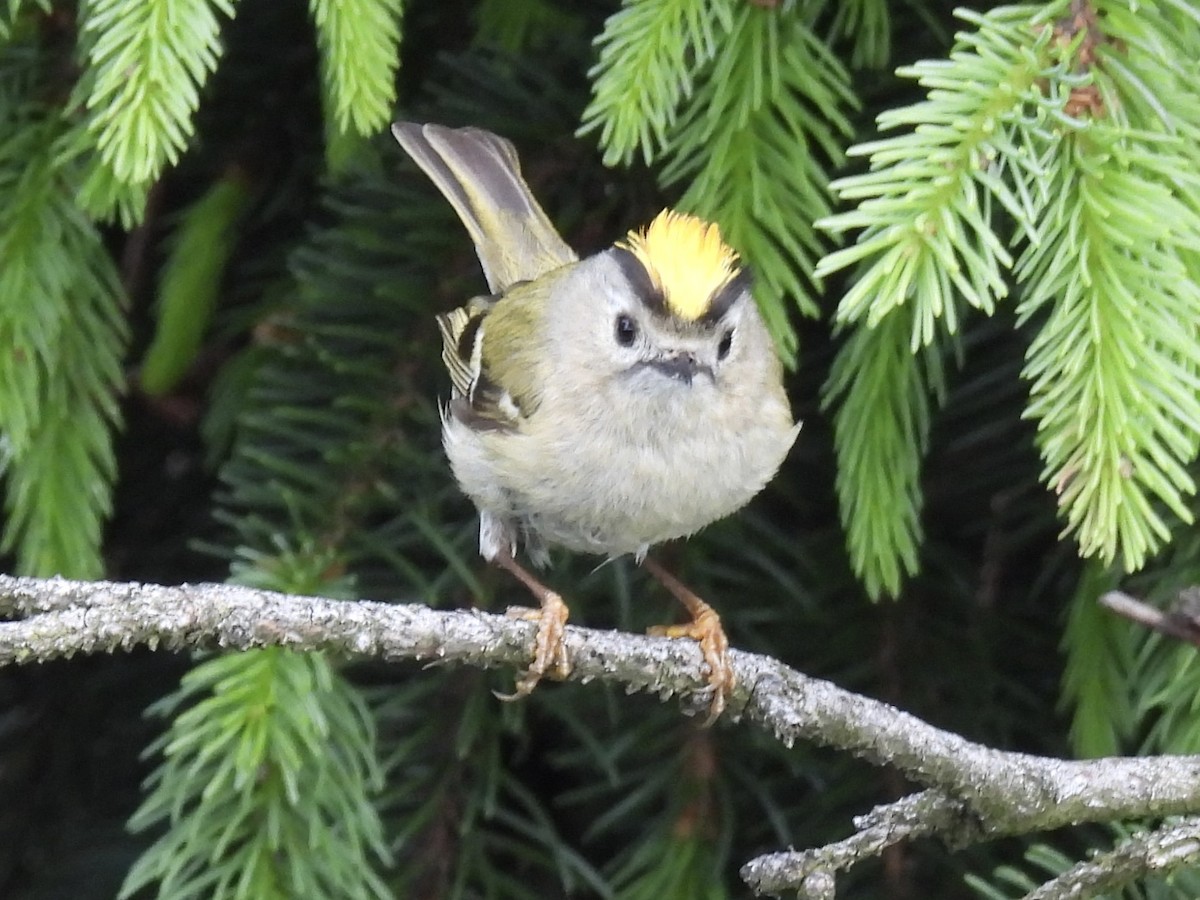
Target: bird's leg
x=705, y=627
x=548, y=650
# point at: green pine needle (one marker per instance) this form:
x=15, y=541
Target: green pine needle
x=925, y=208
x=671, y=865
x=263, y=785
x=1099, y=659
x=650, y=51
x=12, y=12
x=519, y=27
x=1168, y=703
x=102, y=195
x=190, y=282
x=35, y=267
x=881, y=432
x=926, y=243
x=148, y=61
x=753, y=141
x=1110, y=220
x=1114, y=371
x=63, y=327
x=1114, y=286
x=360, y=55
x=59, y=492
x=868, y=23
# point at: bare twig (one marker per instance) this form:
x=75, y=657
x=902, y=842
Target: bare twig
x=976, y=791
x=1160, y=851
x=813, y=872
x=1182, y=623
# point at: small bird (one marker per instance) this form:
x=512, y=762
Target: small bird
x=604, y=405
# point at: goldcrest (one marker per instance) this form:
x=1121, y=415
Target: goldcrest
x=603, y=405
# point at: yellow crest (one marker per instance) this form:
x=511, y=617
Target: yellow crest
x=686, y=259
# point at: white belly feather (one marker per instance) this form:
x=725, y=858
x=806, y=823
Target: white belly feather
x=604, y=487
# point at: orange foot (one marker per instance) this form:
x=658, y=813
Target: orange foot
x=549, y=653
x=705, y=627
x=548, y=650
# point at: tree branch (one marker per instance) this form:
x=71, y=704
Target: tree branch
x=1181, y=623
x=813, y=872
x=994, y=792
x=1152, y=852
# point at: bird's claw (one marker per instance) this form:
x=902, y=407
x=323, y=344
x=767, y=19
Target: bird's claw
x=549, y=653
x=706, y=629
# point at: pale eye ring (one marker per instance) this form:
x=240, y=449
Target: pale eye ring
x=726, y=344
x=626, y=330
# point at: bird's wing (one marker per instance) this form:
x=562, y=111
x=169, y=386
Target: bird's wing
x=460, y=332
x=479, y=174
x=478, y=399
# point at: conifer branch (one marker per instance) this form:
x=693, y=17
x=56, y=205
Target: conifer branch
x=63, y=332
x=360, y=53
x=649, y=55
x=1052, y=121
x=1160, y=851
x=814, y=871
x=1000, y=793
x=12, y=11
x=924, y=210
x=753, y=142
x=1116, y=398
x=876, y=369
x=1100, y=652
x=868, y=24
x=149, y=61
x=926, y=251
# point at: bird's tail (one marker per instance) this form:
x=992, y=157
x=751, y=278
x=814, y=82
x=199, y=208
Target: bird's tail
x=479, y=174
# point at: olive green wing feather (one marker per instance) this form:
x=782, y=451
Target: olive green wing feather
x=459, y=353
x=478, y=398
x=478, y=172
x=496, y=369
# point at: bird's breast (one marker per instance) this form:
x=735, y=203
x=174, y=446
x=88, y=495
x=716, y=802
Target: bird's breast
x=611, y=480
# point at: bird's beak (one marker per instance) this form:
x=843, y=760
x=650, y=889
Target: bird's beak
x=681, y=366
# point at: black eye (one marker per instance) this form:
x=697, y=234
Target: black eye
x=626, y=330
x=725, y=345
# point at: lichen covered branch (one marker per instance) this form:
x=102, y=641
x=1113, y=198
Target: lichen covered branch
x=973, y=792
